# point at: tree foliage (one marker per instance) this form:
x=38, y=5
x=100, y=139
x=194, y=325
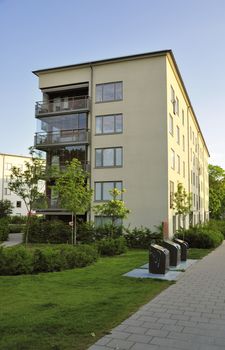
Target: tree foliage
x=216, y=191
x=6, y=208
x=26, y=183
x=114, y=208
x=182, y=202
x=73, y=189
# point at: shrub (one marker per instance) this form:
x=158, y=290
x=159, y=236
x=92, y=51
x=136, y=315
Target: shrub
x=52, y=231
x=201, y=236
x=142, y=237
x=87, y=232
x=16, y=228
x=112, y=246
x=18, y=260
x=15, y=261
x=17, y=219
x=4, y=229
x=218, y=225
x=109, y=230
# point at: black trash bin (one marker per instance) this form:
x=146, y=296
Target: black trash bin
x=158, y=259
x=175, y=252
x=184, y=248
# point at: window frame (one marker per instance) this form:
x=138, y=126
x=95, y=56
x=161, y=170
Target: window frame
x=102, y=189
x=114, y=157
x=108, y=83
x=173, y=159
x=114, y=122
x=171, y=125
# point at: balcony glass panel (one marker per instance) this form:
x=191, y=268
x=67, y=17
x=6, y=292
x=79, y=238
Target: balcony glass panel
x=62, y=122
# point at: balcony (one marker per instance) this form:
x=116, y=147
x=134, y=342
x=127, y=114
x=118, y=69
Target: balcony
x=62, y=137
x=62, y=105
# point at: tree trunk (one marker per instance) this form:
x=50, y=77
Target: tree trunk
x=72, y=229
x=75, y=229
x=27, y=228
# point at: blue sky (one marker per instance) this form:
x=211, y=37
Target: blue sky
x=44, y=33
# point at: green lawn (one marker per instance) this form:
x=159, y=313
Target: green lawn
x=196, y=253
x=61, y=310
x=72, y=309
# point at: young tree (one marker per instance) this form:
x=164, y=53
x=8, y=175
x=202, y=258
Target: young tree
x=114, y=208
x=74, y=192
x=5, y=208
x=26, y=184
x=216, y=191
x=182, y=202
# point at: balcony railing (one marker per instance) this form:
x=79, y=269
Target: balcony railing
x=62, y=137
x=62, y=105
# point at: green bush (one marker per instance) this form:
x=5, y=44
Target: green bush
x=16, y=228
x=108, y=231
x=87, y=232
x=19, y=260
x=218, y=225
x=17, y=219
x=112, y=246
x=142, y=237
x=201, y=236
x=52, y=231
x=15, y=261
x=4, y=229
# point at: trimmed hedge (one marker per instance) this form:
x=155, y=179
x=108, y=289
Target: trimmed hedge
x=19, y=260
x=4, y=229
x=142, y=237
x=53, y=231
x=16, y=228
x=201, y=237
x=110, y=246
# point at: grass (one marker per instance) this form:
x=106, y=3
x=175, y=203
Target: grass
x=72, y=309
x=198, y=253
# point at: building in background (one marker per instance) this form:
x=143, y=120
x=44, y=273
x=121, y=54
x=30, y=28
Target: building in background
x=7, y=161
x=129, y=120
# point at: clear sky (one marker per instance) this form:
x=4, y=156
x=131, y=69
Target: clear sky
x=37, y=34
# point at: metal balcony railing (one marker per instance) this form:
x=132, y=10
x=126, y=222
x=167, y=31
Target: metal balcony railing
x=66, y=137
x=62, y=105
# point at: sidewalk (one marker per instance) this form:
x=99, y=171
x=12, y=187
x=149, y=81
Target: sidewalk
x=188, y=315
x=14, y=239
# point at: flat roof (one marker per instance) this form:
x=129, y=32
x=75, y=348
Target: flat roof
x=127, y=58
x=14, y=155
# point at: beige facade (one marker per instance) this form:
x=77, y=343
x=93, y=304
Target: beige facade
x=138, y=153
x=7, y=161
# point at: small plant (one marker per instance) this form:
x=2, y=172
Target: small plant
x=182, y=202
x=110, y=246
x=142, y=237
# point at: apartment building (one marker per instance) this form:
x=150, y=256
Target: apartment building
x=7, y=161
x=129, y=120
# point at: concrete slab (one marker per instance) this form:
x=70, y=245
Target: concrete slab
x=143, y=273
x=182, y=266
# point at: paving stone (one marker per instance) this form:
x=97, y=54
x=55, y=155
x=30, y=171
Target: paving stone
x=119, y=344
x=140, y=338
x=141, y=346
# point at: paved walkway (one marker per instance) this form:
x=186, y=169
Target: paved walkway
x=14, y=239
x=188, y=315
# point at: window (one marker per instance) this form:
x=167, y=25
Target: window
x=108, y=157
x=193, y=137
x=7, y=178
x=109, y=92
x=171, y=125
x=18, y=204
x=183, y=143
x=193, y=159
x=191, y=154
x=172, y=159
x=190, y=133
x=178, y=135
x=183, y=169
x=178, y=164
x=177, y=106
x=173, y=100
x=8, y=166
x=7, y=192
x=102, y=189
x=106, y=220
x=171, y=193
x=109, y=124
x=182, y=117
x=193, y=179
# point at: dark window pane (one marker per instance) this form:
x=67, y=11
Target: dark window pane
x=118, y=91
x=118, y=123
x=98, y=157
x=98, y=126
x=98, y=186
x=108, y=124
x=98, y=93
x=108, y=92
x=118, y=156
x=82, y=121
x=108, y=157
